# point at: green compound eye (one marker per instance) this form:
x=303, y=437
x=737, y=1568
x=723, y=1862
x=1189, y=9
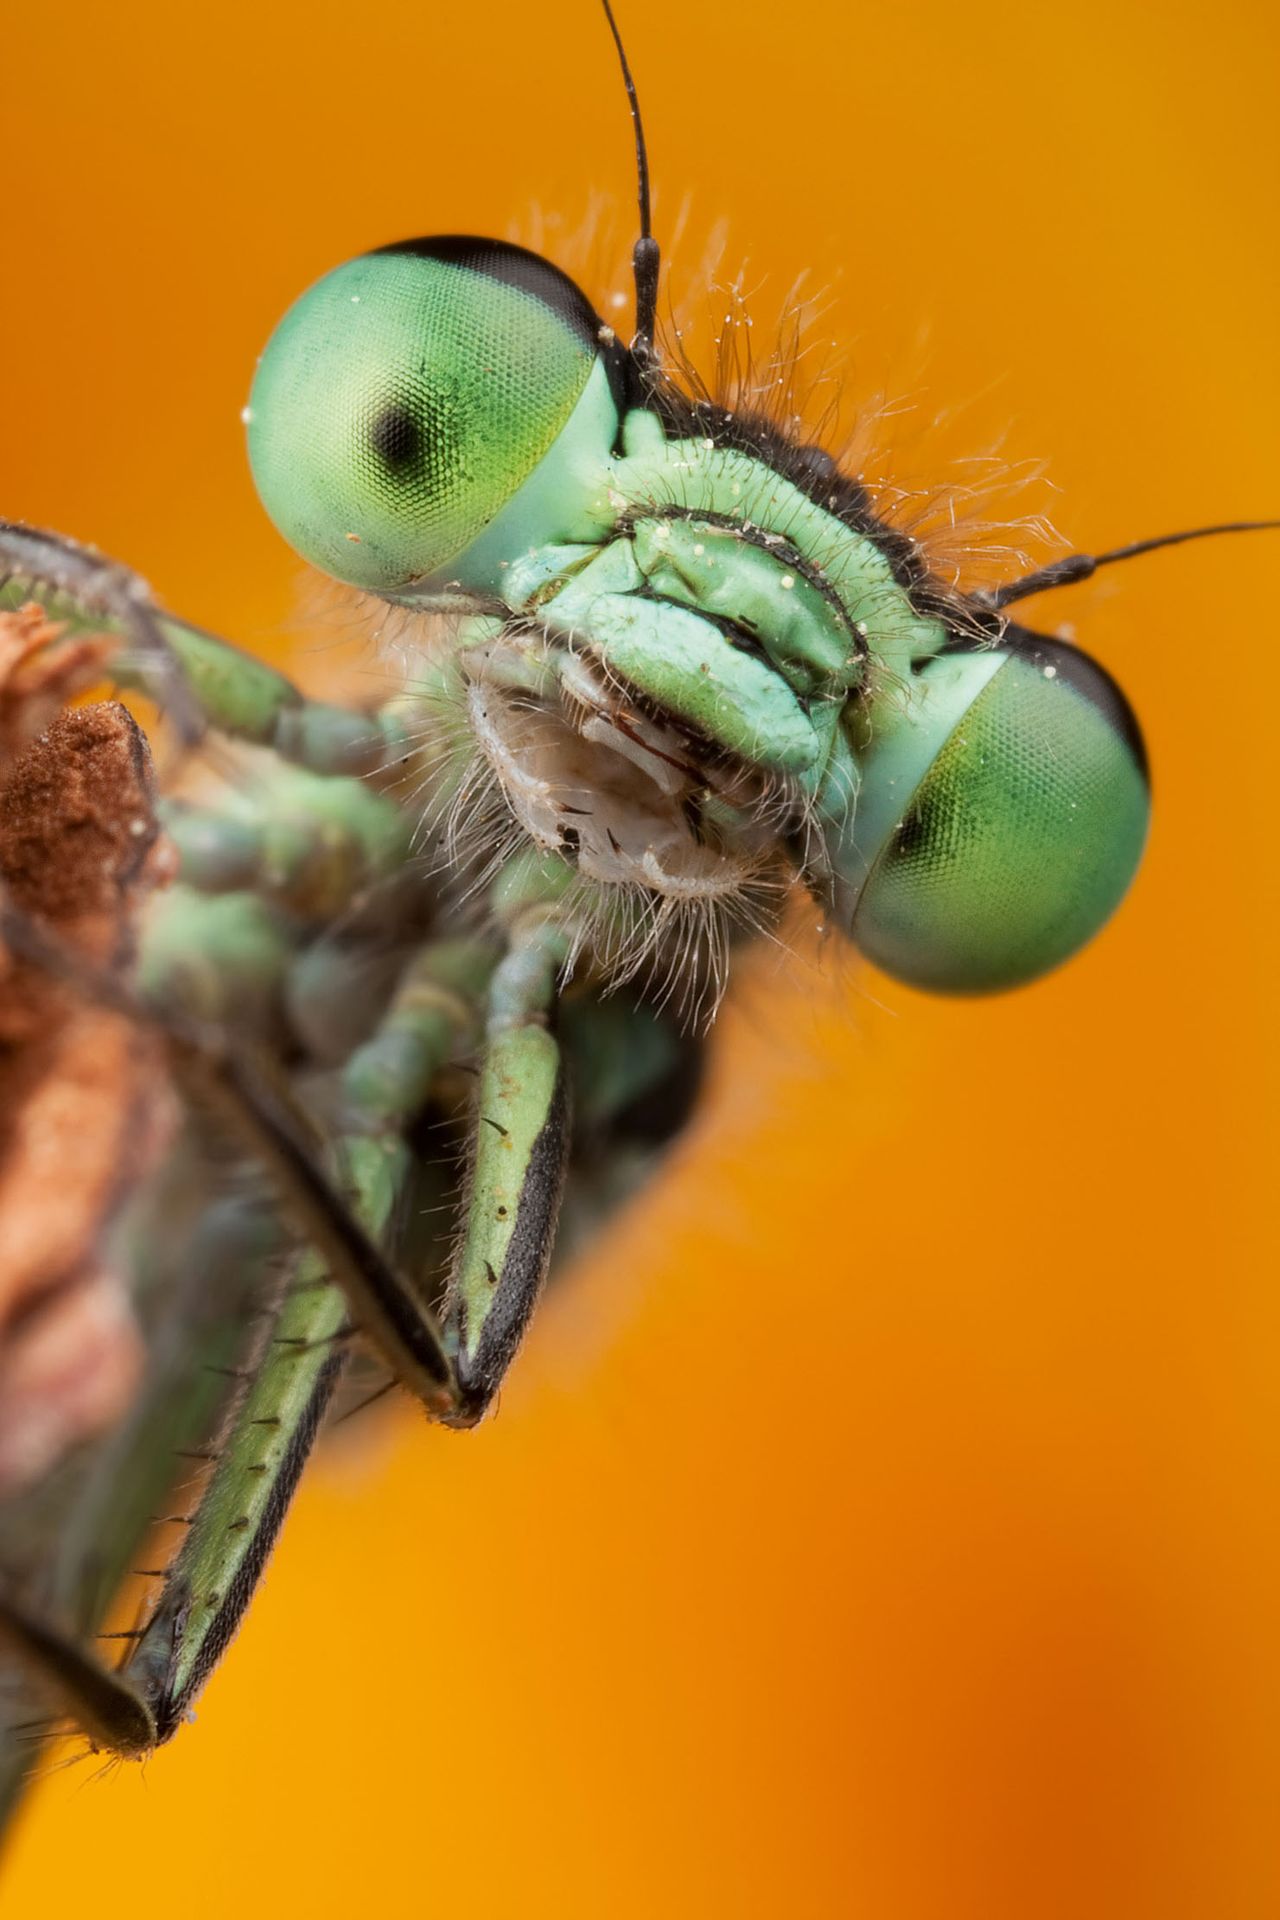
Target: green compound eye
x=409, y=395
x=1011, y=819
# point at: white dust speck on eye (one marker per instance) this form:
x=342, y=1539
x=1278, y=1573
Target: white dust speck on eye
x=246, y=415
x=137, y=828
x=787, y=582
x=1050, y=673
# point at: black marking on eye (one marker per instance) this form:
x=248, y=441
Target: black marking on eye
x=935, y=830
x=396, y=438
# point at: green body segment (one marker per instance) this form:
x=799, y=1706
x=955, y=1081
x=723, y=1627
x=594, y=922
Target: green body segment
x=715, y=569
x=434, y=1010
x=697, y=476
x=268, y=1434
x=309, y=841
x=521, y=1153
x=242, y=695
x=688, y=666
x=217, y=956
x=233, y=1527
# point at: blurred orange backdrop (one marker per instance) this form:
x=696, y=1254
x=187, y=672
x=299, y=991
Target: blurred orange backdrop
x=884, y=1521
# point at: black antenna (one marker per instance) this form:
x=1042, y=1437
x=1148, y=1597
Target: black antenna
x=1081, y=566
x=644, y=255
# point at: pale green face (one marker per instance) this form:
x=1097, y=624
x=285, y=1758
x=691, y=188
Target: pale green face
x=1018, y=838
x=407, y=396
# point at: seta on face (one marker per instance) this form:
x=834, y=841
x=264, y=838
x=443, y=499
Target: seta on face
x=428, y=413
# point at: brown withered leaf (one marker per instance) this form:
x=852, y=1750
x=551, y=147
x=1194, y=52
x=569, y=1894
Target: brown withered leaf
x=81, y=1088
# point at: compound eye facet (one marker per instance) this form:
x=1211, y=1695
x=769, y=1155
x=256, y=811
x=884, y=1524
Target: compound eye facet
x=405, y=398
x=1022, y=836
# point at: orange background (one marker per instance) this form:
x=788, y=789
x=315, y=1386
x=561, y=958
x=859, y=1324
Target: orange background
x=884, y=1522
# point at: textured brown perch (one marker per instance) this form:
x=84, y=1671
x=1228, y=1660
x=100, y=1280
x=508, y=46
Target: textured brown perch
x=80, y=1100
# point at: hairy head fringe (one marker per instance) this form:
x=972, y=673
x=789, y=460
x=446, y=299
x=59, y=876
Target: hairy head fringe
x=725, y=342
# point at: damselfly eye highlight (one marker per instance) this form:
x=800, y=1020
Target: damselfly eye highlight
x=409, y=395
x=1015, y=842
